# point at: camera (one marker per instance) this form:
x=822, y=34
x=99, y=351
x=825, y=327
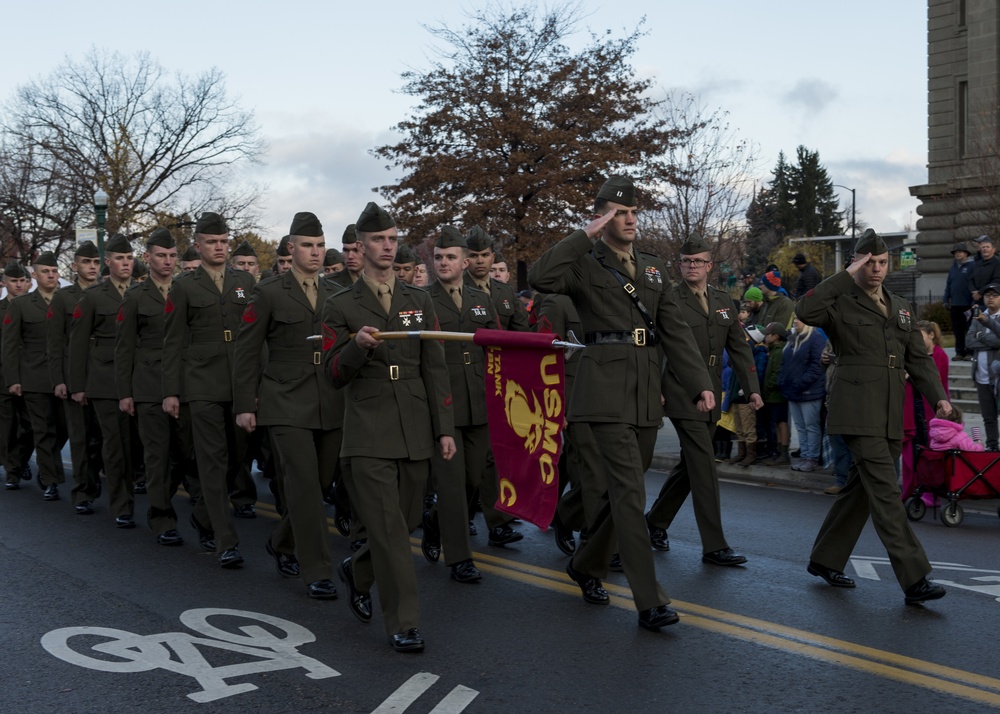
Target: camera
x=975, y=311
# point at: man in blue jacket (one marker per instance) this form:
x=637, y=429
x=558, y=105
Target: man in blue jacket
x=958, y=297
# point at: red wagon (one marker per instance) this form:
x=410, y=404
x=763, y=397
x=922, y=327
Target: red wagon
x=953, y=476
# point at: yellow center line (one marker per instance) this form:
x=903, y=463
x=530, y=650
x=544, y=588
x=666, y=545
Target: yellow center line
x=900, y=668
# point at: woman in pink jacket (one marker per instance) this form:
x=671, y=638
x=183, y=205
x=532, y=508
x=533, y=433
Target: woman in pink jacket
x=932, y=341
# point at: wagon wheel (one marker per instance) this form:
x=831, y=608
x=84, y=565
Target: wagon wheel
x=915, y=508
x=952, y=514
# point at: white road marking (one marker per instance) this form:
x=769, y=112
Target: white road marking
x=408, y=692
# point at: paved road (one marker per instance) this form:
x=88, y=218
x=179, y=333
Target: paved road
x=767, y=637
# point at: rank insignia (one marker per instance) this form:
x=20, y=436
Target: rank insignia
x=250, y=314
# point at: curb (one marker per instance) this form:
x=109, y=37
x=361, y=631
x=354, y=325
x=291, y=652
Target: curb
x=757, y=474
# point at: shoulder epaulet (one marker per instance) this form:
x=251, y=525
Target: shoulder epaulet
x=268, y=280
x=95, y=286
x=135, y=286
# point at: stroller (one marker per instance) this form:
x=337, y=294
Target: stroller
x=953, y=476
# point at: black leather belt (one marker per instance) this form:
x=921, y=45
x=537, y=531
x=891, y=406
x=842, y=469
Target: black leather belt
x=294, y=354
x=890, y=361
x=637, y=337
x=392, y=372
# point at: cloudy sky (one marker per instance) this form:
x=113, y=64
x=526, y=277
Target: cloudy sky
x=846, y=79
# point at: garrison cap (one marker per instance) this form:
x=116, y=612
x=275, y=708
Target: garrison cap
x=190, y=254
x=871, y=242
x=374, y=219
x=478, y=239
x=405, y=254
x=47, y=258
x=695, y=244
x=13, y=269
x=350, y=235
x=619, y=189
x=211, y=224
x=306, y=224
x=451, y=237
x=87, y=249
x=961, y=247
x=139, y=269
x=283, y=248
x=105, y=271
x=161, y=238
x=118, y=244
x=333, y=257
x=244, y=248
x=499, y=258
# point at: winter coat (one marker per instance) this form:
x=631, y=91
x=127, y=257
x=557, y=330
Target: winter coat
x=809, y=278
x=803, y=376
x=946, y=435
x=958, y=288
x=772, y=392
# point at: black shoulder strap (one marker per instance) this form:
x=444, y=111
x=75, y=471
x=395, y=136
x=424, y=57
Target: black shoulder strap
x=654, y=338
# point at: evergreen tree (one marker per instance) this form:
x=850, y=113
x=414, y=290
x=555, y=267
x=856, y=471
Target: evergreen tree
x=814, y=205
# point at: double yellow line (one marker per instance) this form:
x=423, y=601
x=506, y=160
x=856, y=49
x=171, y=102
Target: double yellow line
x=908, y=670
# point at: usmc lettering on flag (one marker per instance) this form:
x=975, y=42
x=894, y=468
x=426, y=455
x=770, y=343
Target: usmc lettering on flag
x=525, y=401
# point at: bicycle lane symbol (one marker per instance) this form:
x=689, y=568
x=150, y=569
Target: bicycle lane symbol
x=142, y=653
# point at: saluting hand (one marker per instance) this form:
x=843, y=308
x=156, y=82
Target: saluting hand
x=706, y=401
x=447, y=444
x=854, y=267
x=593, y=229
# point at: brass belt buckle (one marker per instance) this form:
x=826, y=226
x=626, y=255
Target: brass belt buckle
x=227, y=335
x=317, y=358
x=711, y=360
x=892, y=361
x=639, y=336
x=394, y=372
x=467, y=357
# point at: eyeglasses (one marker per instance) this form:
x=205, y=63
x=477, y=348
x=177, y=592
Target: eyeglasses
x=695, y=262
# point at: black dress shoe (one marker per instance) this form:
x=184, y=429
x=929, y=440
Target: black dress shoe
x=409, y=641
x=590, y=587
x=322, y=589
x=656, y=617
x=430, y=539
x=51, y=493
x=465, y=572
x=124, y=522
x=504, y=535
x=726, y=556
x=12, y=486
x=472, y=528
x=615, y=565
x=342, y=521
x=139, y=487
x=356, y=544
x=84, y=508
x=565, y=541
x=286, y=563
x=25, y=474
x=245, y=511
x=833, y=577
x=658, y=538
x=231, y=558
x=205, y=535
x=922, y=591
x=170, y=537
x=359, y=602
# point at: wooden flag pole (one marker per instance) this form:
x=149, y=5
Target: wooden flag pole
x=447, y=336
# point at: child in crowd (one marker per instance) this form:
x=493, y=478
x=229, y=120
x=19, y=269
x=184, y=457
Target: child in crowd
x=744, y=417
x=774, y=416
x=946, y=432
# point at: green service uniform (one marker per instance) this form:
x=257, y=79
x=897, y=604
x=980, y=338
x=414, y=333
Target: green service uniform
x=397, y=408
x=695, y=473
x=509, y=309
x=875, y=352
x=198, y=352
x=167, y=443
x=299, y=406
x=15, y=451
x=85, y=440
x=25, y=363
x=472, y=466
x=617, y=391
x=92, y=371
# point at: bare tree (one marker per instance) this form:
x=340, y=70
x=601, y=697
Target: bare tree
x=155, y=143
x=714, y=183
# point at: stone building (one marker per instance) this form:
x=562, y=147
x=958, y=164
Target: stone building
x=961, y=199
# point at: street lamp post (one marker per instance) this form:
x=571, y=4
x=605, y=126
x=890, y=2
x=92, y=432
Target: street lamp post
x=101, y=209
x=853, y=224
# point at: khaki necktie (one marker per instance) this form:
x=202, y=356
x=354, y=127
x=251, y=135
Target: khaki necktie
x=629, y=262
x=219, y=280
x=384, y=297
x=121, y=289
x=456, y=296
x=309, y=286
x=880, y=304
x=703, y=299
x=484, y=286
